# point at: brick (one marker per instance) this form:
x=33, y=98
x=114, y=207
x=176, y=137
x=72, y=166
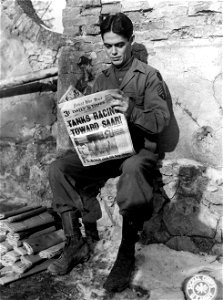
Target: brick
x=153, y=25
x=91, y=11
x=90, y=29
x=204, y=7
x=110, y=1
x=72, y=30
x=132, y=5
x=111, y=8
x=71, y=12
x=83, y=3
x=135, y=16
x=80, y=21
x=153, y=35
x=92, y=39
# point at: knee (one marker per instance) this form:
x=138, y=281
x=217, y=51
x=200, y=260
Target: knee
x=55, y=168
x=133, y=164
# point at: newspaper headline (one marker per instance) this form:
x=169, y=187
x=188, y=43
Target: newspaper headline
x=97, y=131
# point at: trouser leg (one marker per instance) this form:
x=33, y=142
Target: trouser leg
x=70, y=180
x=75, y=250
x=75, y=187
x=135, y=186
x=120, y=275
x=134, y=197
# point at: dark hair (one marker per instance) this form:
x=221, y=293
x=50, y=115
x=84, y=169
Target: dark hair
x=119, y=24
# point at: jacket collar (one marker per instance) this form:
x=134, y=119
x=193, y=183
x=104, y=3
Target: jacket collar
x=136, y=66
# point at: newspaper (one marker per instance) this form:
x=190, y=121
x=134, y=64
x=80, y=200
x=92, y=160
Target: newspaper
x=97, y=131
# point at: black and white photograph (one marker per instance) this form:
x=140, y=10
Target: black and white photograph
x=111, y=161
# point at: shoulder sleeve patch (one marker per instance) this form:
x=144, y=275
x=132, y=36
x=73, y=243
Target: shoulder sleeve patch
x=160, y=91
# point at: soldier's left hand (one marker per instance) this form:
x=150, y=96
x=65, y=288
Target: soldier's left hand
x=120, y=101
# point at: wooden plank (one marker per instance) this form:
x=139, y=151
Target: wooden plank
x=15, y=276
x=30, y=77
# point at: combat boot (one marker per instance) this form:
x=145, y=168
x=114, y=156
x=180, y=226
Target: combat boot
x=76, y=249
x=120, y=275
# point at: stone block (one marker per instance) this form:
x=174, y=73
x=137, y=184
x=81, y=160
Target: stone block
x=21, y=114
x=90, y=30
x=71, y=12
x=152, y=25
x=80, y=21
x=214, y=196
x=91, y=11
x=72, y=31
x=110, y=1
x=186, y=217
x=132, y=5
x=184, y=243
x=111, y=8
x=204, y=7
x=203, y=244
x=26, y=179
x=217, y=250
x=152, y=35
x=167, y=11
x=83, y=3
x=76, y=21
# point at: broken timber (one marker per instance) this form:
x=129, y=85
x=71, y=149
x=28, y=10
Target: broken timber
x=28, y=78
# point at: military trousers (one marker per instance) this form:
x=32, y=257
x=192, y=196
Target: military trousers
x=75, y=186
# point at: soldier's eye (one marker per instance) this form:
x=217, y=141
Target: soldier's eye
x=120, y=45
x=108, y=46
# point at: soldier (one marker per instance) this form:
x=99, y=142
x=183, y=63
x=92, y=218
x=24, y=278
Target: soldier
x=139, y=92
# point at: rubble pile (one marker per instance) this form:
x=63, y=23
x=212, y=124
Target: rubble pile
x=29, y=238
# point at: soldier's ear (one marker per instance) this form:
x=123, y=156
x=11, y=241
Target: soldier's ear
x=132, y=39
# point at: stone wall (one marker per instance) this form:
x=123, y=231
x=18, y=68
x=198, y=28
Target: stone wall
x=182, y=40
x=28, y=114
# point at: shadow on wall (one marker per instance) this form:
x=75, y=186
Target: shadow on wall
x=184, y=222
x=168, y=139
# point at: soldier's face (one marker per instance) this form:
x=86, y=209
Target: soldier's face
x=117, y=48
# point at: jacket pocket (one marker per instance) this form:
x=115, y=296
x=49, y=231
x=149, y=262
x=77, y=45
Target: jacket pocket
x=138, y=100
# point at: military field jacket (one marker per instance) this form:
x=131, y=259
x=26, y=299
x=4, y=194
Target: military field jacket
x=148, y=112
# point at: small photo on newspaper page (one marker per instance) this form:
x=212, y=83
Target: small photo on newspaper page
x=97, y=131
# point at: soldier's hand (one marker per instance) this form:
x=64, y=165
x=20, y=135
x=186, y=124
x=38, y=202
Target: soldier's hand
x=120, y=102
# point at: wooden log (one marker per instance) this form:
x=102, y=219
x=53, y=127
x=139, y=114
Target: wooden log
x=43, y=242
x=15, y=276
x=4, y=215
x=30, y=77
x=52, y=251
x=26, y=215
x=36, y=221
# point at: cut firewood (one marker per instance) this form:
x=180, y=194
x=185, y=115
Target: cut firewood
x=4, y=215
x=30, y=77
x=26, y=215
x=42, y=242
x=13, y=242
x=20, y=267
x=41, y=219
x=20, y=250
x=10, y=257
x=6, y=270
x=5, y=247
x=31, y=260
x=52, y=251
x=15, y=276
x=36, y=231
x=3, y=233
